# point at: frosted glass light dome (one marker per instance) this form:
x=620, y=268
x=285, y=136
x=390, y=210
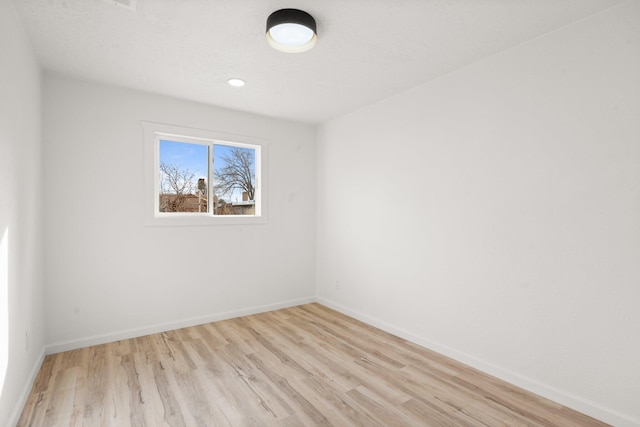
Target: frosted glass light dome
x=291, y=30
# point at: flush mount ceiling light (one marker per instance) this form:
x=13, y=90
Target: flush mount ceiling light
x=291, y=30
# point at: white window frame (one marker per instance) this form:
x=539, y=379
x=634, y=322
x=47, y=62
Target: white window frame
x=154, y=132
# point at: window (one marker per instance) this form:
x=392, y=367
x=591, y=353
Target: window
x=198, y=177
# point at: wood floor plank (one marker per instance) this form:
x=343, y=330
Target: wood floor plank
x=388, y=415
x=60, y=406
x=301, y=366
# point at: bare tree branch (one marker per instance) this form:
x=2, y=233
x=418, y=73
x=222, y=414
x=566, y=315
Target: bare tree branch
x=174, y=180
x=236, y=174
x=175, y=185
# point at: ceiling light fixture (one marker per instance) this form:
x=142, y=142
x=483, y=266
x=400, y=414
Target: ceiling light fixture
x=291, y=31
x=236, y=82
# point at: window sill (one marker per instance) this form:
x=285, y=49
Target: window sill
x=202, y=220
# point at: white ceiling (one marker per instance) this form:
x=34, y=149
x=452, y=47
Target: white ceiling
x=367, y=49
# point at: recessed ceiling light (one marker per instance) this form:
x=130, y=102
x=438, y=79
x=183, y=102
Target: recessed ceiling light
x=129, y=4
x=236, y=82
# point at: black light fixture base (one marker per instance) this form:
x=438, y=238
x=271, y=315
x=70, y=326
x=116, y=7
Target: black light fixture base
x=291, y=30
x=291, y=16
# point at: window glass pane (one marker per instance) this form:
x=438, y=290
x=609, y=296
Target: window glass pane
x=183, y=177
x=234, y=178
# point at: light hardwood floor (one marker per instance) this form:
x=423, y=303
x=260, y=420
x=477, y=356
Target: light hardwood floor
x=302, y=366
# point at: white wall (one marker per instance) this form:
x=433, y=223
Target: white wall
x=494, y=215
x=109, y=276
x=21, y=256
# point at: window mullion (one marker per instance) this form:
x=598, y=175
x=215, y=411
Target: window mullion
x=210, y=196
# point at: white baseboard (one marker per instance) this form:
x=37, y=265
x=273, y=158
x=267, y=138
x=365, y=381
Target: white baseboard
x=24, y=395
x=163, y=327
x=559, y=396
